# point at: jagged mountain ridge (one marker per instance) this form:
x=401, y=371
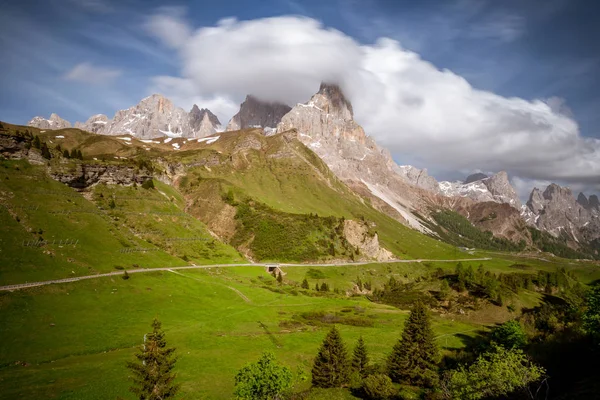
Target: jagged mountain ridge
x=557, y=211
x=154, y=116
x=54, y=122
x=255, y=113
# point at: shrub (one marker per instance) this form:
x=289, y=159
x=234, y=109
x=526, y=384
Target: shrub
x=378, y=387
x=149, y=184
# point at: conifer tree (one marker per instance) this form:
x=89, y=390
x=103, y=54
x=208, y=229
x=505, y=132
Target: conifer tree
x=73, y=153
x=360, y=358
x=153, y=377
x=324, y=287
x=304, y=284
x=414, y=358
x=66, y=154
x=317, y=286
x=45, y=151
x=331, y=368
x=36, y=142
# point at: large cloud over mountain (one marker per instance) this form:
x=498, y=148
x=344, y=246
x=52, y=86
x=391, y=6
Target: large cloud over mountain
x=404, y=102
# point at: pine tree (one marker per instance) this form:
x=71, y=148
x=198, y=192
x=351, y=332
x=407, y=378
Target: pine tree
x=73, y=153
x=36, y=142
x=415, y=356
x=45, y=151
x=153, y=378
x=324, y=287
x=360, y=358
x=330, y=368
x=66, y=154
x=304, y=284
x=317, y=286
x=79, y=155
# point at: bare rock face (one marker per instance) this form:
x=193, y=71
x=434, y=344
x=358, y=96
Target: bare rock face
x=359, y=235
x=418, y=177
x=95, y=124
x=475, y=177
x=19, y=147
x=593, y=202
x=557, y=212
x=203, y=122
x=54, y=122
x=501, y=189
x=86, y=175
x=496, y=188
x=325, y=124
x=255, y=113
x=154, y=116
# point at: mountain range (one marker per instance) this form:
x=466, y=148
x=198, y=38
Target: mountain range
x=326, y=125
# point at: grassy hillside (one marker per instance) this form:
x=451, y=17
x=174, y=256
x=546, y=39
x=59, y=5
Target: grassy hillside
x=287, y=177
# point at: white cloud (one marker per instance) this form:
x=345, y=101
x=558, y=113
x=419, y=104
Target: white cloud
x=88, y=73
x=169, y=27
x=404, y=102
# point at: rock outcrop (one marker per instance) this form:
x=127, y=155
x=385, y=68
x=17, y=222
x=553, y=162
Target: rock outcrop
x=255, y=113
x=86, y=175
x=475, y=177
x=19, y=147
x=54, y=122
x=359, y=235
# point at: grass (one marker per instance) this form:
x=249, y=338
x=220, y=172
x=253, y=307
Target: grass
x=98, y=323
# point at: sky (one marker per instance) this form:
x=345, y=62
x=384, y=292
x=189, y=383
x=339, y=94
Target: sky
x=452, y=86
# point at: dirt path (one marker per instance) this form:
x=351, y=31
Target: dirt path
x=142, y=270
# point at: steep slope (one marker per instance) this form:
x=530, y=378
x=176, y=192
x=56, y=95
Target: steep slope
x=279, y=178
x=54, y=122
x=496, y=188
x=255, y=113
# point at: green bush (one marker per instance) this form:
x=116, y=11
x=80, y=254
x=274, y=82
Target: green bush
x=149, y=184
x=378, y=387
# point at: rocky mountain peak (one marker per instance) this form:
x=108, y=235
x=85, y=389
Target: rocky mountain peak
x=593, y=202
x=556, y=192
x=475, y=177
x=582, y=200
x=54, y=122
x=500, y=187
x=338, y=102
x=95, y=123
x=257, y=113
x=203, y=122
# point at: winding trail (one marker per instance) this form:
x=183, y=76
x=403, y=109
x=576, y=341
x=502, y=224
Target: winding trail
x=172, y=269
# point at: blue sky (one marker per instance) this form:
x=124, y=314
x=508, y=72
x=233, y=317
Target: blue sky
x=82, y=57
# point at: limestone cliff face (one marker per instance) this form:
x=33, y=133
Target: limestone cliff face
x=255, y=113
x=556, y=211
x=203, y=122
x=54, y=122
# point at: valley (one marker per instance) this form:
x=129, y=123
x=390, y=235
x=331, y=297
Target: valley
x=261, y=238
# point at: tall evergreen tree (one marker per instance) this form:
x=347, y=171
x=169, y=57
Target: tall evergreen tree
x=73, y=153
x=153, y=377
x=36, y=142
x=304, y=284
x=66, y=153
x=360, y=358
x=331, y=368
x=415, y=356
x=45, y=151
